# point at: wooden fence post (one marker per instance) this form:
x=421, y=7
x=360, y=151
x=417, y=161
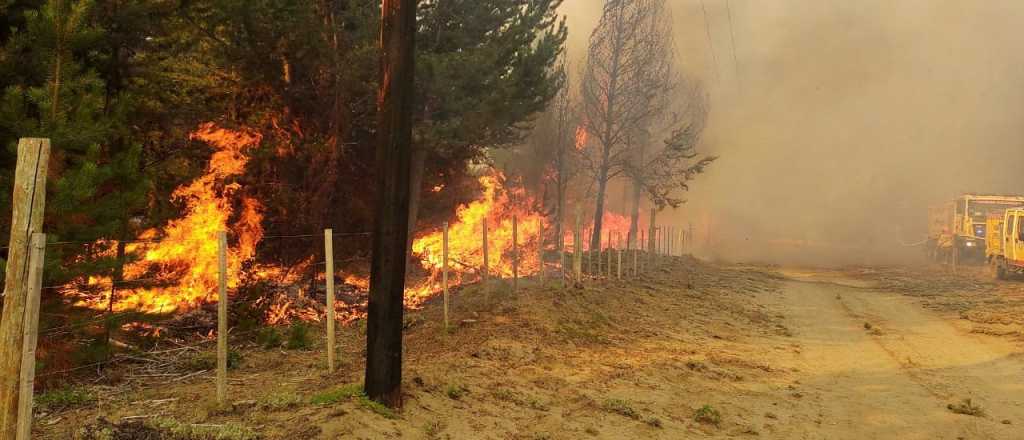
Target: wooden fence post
x=540, y=251
x=27, y=202
x=608, y=270
x=668, y=241
x=515, y=254
x=222, y=318
x=329, y=277
x=577, y=249
x=618, y=267
x=636, y=253
x=675, y=241
x=485, y=270
x=663, y=232
x=444, y=272
x=641, y=247
x=595, y=259
x=30, y=336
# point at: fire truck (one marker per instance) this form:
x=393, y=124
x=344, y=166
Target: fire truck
x=1006, y=242
x=960, y=227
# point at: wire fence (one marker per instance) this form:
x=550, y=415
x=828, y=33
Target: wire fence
x=110, y=310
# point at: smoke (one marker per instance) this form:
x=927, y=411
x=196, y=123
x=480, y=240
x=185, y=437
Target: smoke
x=838, y=123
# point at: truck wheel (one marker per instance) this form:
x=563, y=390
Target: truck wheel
x=1000, y=270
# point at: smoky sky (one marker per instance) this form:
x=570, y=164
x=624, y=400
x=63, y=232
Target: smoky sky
x=839, y=122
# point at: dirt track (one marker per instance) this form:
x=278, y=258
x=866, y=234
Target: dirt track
x=877, y=365
x=773, y=354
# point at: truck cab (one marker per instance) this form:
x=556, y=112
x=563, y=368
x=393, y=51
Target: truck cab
x=1008, y=257
x=971, y=222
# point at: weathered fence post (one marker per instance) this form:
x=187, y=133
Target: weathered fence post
x=515, y=254
x=577, y=249
x=671, y=241
x=444, y=272
x=540, y=251
x=222, y=317
x=485, y=270
x=27, y=202
x=608, y=270
x=636, y=253
x=329, y=277
x=642, y=248
x=675, y=241
x=656, y=238
x=30, y=336
x=663, y=231
x=665, y=234
x=595, y=259
x=618, y=266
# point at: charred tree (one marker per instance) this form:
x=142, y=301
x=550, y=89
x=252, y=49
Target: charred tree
x=626, y=80
x=394, y=153
x=663, y=172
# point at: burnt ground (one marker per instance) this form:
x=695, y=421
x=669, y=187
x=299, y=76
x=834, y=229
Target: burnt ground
x=692, y=350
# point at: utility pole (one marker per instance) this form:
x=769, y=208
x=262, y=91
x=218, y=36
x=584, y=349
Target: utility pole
x=383, y=377
x=28, y=202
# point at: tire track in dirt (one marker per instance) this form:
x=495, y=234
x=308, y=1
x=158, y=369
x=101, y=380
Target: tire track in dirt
x=951, y=362
x=856, y=382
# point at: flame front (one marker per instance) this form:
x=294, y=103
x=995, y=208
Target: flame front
x=494, y=207
x=581, y=138
x=182, y=255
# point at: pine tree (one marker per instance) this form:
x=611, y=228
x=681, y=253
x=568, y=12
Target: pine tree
x=59, y=95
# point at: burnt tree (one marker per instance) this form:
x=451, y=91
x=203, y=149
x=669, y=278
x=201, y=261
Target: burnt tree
x=394, y=154
x=626, y=81
x=663, y=172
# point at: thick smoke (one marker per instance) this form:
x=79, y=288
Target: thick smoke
x=839, y=122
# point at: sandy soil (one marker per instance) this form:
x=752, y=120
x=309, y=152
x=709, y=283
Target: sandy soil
x=693, y=350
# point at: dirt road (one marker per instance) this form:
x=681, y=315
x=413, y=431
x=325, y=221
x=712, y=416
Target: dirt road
x=872, y=364
x=692, y=350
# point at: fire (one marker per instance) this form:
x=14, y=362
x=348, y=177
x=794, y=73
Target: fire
x=581, y=138
x=616, y=224
x=182, y=255
x=179, y=262
x=465, y=235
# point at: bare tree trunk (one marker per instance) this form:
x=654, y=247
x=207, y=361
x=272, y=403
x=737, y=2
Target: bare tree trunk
x=383, y=377
x=650, y=231
x=634, y=214
x=419, y=162
x=560, y=213
x=602, y=189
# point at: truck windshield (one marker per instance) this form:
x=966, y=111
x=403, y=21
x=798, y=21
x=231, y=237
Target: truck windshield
x=979, y=211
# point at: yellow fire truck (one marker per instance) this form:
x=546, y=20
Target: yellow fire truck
x=961, y=226
x=1005, y=240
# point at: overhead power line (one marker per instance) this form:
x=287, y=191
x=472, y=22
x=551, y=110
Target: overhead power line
x=732, y=38
x=711, y=44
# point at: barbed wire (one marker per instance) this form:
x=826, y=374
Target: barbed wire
x=192, y=239
x=68, y=328
x=116, y=358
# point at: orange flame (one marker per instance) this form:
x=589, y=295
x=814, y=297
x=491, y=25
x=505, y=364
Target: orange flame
x=183, y=253
x=614, y=223
x=465, y=239
x=581, y=138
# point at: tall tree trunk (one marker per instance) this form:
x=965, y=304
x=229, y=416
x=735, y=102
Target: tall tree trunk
x=560, y=203
x=602, y=190
x=634, y=214
x=383, y=379
x=419, y=162
x=650, y=232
